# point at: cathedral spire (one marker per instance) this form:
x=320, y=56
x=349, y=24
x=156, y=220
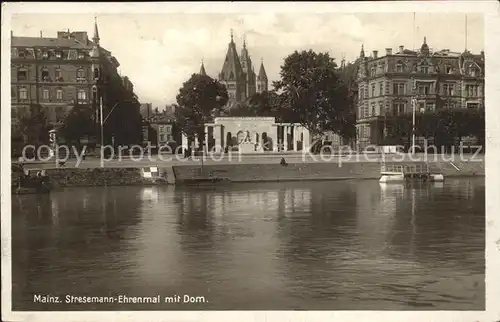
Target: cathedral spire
x=231, y=69
x=96, y=32
x=362, y=53
x=262, y=71
x=202, y=69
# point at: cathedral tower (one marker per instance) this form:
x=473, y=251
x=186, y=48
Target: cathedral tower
x=246, y=65
x=232, y=75
x=262, y=82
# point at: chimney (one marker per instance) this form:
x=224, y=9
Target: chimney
x=401, y=49
x=388, y=51
x=375, y=54
x=41, y=35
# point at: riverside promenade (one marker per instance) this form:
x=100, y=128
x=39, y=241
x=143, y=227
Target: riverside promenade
x=292, y=158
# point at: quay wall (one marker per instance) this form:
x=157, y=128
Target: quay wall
x=87, y=177
x=315, y=171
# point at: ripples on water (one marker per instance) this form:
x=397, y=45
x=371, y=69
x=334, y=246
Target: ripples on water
x=326, y=246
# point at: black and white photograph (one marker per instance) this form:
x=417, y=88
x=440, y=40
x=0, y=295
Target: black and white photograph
x=189, y=161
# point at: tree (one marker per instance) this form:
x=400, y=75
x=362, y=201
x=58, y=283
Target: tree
x=312, y=89
x=78, y=123
x=264, y=104
x=445, y=125
x=199, y=99
x=34, y=127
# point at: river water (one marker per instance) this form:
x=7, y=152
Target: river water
x=340, y=245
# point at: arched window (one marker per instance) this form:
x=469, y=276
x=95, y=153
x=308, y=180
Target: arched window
x=59, y=94
x=96, y=73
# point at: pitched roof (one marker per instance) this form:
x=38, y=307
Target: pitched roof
x=231, y=69
x=46, y=42
x=262, y=72
x=246, y=57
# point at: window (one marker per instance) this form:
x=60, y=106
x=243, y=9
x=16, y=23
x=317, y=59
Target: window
x=381, y=88
x=162, y=137
x=448, y=69
x=380, y=108
x=81, y=55
x=58, y=74
x=21, y=54
x=429, y=107
x=23, y=93
x=382, y=67
x=399, y=88
x=372, y=71
x=80, y=75
x=472, y=71
x=373, y=90
x=169, y=130
x=58, y=54
x=471, y=90
x=399, y=68
x=59, y=94
x=424, y=89
x=96, y=73
x=449, y=105
x=82, y=95
x=472, y=105
x=448, y=89
x=424, y=69
x=373, y=110
x=421, y=107
x=398, y=108
x=45, y=94
x=22, y=74
x=45, y=75
x=12, y=92
x=45, y=55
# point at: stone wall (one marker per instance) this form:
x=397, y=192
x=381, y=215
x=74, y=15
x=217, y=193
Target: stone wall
x=313, y=171
x=79, y=177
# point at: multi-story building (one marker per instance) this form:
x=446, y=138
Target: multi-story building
x=71, y=70
x=238, y=75
x=388, y=84
x=146, y=110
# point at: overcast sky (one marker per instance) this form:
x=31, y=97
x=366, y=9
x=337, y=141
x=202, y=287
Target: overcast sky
x=160, y=51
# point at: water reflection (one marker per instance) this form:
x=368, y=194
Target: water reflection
x=328, y=245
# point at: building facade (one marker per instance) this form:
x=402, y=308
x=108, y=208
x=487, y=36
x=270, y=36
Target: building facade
x=389, y=84
x=238, y=75
x=146, y=110
x=69, y=70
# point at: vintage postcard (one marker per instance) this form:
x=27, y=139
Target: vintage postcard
x=248, y=161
